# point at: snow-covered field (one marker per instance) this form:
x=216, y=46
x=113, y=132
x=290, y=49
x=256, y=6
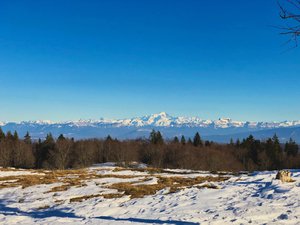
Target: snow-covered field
x=106, y=194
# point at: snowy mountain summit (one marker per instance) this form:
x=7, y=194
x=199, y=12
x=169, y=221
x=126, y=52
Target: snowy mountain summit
x=169, y=125
x=163, y=119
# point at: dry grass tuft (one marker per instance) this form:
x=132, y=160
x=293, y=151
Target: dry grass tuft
x=43, y=207
x=173, y=183
x=60, y=188
x=143, y=170
x=59, y=201
x=209, y=186
x=137, y=191
x=86, y=197
x=7, y=169
x=112, y=195
x=101, y=176
x=69, y=178
x=25, y=181
x=83, y=198
x=78, y=178
x=151, y=170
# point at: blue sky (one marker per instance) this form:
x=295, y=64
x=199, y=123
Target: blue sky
x=64, y=60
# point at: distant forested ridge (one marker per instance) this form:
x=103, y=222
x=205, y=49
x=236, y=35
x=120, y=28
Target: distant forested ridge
x=180, y=152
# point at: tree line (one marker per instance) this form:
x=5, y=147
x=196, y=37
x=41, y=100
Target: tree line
x=195, y=153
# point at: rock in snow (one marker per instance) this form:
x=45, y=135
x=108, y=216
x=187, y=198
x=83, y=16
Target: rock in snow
x=284, y=176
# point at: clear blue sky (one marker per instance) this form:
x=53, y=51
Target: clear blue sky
x=72, y=59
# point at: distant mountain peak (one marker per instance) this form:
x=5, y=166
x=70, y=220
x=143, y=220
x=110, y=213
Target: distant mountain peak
x=163, y=119
x=169, y=125
x=163, y=114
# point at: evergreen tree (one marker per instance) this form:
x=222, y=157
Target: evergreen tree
x=197, y=140
x=2, y=135
x=238, y=143
x=274, y=152
x=291, y=148
x=231, y=143
x=60, y=155
x=159, y=138
x=16, y=136
x=183, y=141
x=176, y=140
x=153, y=137
x=27, y=138
x=106, y=149
x=44, y=150
x=9, y=136
x=269, y=148
x=156, y=137
x=109, y=138
x=190, y=141
x=252, y=147
x=61, y=137
x=49, y=140
x=277, y=151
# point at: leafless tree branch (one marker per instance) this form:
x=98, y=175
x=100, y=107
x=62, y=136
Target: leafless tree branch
x=290, y=12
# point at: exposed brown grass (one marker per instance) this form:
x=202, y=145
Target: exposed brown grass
x=58, y=202
x=83, y=198
x=86, y=197
x=209, y=185
x=69, y=178
x=137, y=191
x=43, y=207
x=173, y=183
x=78, y=178
x=26, y=181
x=151, y=170
x=6, y=169
x=47, y=177
x=146, y=170
x=96, y=176
x=60, y=188
x=112, y=195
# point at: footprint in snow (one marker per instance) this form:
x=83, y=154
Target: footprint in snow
x=260, y=204
x=210, y=211
x=216, y=216
x=283, y=217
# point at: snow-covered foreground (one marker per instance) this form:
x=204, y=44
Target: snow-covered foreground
x=89, y=197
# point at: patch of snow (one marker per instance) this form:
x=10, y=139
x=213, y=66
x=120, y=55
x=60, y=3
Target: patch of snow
x=256, y=198
x=18, y=173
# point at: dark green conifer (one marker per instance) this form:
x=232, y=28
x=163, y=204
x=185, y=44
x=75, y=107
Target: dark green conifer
x=197, y=140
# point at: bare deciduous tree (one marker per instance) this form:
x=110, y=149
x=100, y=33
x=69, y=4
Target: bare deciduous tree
x=61, y=154
x=290, y=12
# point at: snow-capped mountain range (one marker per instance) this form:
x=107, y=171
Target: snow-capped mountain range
x=141, y=126
x=162, y=120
